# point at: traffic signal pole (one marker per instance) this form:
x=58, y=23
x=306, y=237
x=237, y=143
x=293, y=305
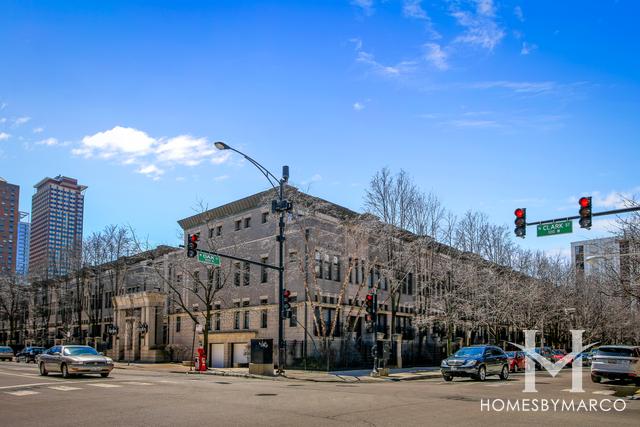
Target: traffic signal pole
x=569, y=218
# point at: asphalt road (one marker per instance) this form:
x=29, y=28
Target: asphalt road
x=145, y=398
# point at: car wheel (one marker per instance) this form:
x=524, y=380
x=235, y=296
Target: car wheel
x=482, y=374
x=595, y=378
x=65, y=370
x=106, y=374
x=43, y=370
x=504, y=374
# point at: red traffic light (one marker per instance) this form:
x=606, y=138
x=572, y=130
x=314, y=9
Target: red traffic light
x=286, y=293
x=519, y=213
x=584, y=202
x=369, y=298
x=194, y=237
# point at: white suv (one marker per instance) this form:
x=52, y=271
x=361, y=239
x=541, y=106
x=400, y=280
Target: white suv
x=616, y=362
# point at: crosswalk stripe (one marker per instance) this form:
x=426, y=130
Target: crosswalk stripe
x=64, y=388
x=21, y=392
x=104, y=385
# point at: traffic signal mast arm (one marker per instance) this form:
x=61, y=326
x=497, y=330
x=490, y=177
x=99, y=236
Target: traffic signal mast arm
x=569, y=218
x=235, y=258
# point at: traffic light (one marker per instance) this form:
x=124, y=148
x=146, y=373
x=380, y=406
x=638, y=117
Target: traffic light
x=286, y=303
x=520, y=222
x=585, y=212
x=192, y=245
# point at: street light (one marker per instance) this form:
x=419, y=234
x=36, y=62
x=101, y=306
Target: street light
x=281, y=205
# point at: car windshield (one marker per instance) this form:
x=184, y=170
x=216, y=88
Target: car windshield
x=511, y=353
x=615, y=351
x=469, y=351
x=558, y=352
x=79, y=351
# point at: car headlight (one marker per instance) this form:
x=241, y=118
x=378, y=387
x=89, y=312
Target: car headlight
x=109, y=361
x=444, y=363
x=470, y=362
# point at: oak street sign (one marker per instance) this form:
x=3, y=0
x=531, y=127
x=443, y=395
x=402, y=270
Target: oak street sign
x=209, y=259
x=553, y=228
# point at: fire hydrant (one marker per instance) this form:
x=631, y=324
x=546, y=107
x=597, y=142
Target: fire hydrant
x=202, y=360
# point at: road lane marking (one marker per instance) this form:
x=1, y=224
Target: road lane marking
x=21, y=392
x=65, y=388
x=20, y=375
x=104, y=385
x=135, y=383
x=605, y=392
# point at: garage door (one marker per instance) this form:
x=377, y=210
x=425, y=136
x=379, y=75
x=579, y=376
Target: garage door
x=239, y=356
x=217, y=356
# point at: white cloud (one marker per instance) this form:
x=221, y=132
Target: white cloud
x=365, y=5
x=129, y=146
x=152, y=171
x=436, y=56
x=3, y=119
x=517, y=11
x=315, y=178
x=21, y=120
x=38, y=130
x=358, y=106
x=48, y=142
x=221, y=178
x=481, y=28
x=398, y=70
x=614, y=199
x=117, y=142
x=413, y=9
x=4, y=136
x=185, y=150
x=527, y=48
x=519, y=87
x=473, y=123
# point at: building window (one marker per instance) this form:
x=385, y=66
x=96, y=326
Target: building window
x=247, y=222
x=238, y=223
x=236, y=320
x=236, y=273
x=219, y=230
x=336, y=268
x=246, y=320
x=264, y=275
x=216, y=322
x=293, y=320
x=265, y=217
x=211, y=231
x=318, y=265
x=178, y=323
x=196, y=281
x=264, y=318
x=247, y=274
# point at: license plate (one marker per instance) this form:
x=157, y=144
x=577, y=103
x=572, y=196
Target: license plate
x=453, y=368
x=96, y=368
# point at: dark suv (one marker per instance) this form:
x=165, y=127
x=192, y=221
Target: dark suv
x=28, y=354
x=476, y=362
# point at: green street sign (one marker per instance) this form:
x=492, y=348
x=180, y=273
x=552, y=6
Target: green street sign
x=209, y=259
x=553, y=228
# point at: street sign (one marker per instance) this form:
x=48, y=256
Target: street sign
x=209, y=259
x=553, y=228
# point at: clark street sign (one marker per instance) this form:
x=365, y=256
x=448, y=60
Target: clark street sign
x=209, y=259
x=552, y=228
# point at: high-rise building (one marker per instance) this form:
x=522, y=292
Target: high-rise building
x=9, y=206
x=56, y=226
x=22, y=253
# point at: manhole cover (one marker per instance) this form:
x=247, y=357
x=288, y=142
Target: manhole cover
x=266, y=394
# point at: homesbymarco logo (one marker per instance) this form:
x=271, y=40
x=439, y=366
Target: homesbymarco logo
x=551, y=367
x=552, y=405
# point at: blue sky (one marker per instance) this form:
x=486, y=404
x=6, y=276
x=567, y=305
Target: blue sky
x=492, y=105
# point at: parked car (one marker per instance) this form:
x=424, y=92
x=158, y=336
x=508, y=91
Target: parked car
x=476, y=362
x=559, y=354
x=6, y=353
x=544, y=352
x=587, y=356
x=28, y=354
x=616, y=362
x=74, y=359
x=517, y=361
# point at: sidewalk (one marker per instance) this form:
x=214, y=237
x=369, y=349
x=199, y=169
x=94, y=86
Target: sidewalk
x=353, y=376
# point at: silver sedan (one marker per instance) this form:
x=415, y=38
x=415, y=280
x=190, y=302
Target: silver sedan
x=74, y=359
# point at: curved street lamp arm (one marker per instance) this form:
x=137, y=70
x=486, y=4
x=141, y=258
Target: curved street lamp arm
x=261, y=168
